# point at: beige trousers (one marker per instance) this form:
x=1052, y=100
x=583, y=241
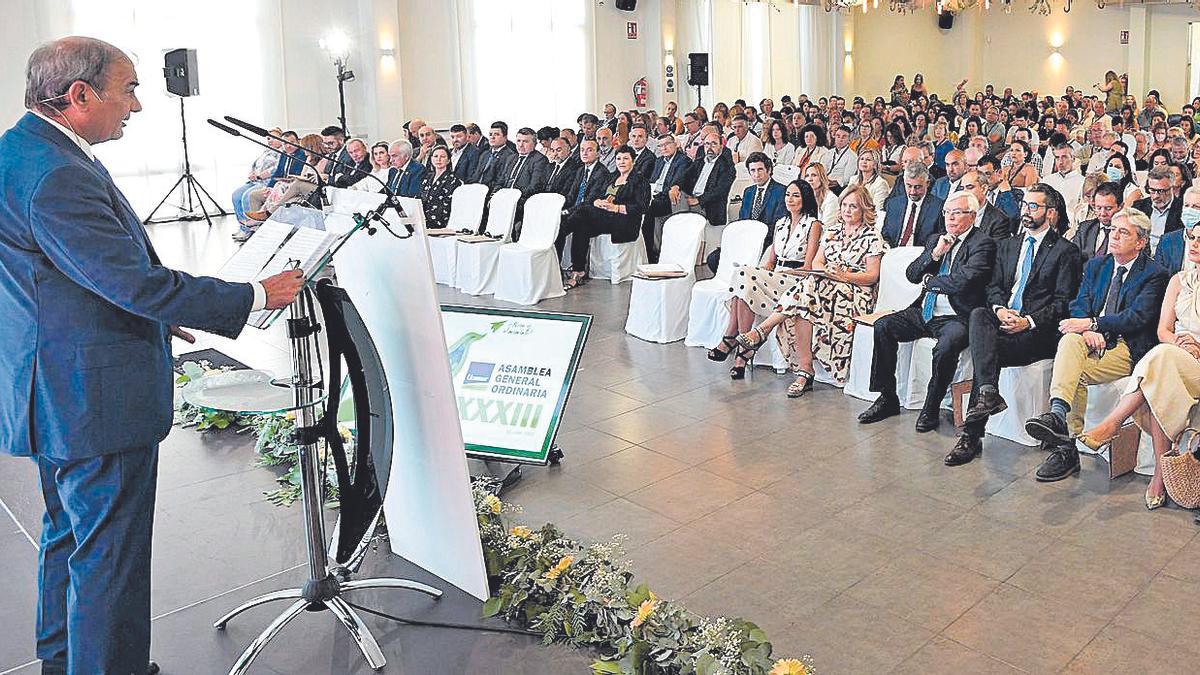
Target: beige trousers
x=1075, y=369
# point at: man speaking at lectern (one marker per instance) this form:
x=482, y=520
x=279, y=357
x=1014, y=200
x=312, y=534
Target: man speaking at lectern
x=85, y=350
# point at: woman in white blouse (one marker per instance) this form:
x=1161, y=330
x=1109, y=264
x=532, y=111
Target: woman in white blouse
x=827, y=202
x=870, y=177
x=756, y=290
x=776, y=145
x=380, y=166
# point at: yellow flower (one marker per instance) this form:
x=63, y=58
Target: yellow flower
x=520, y=531
x=789, y=667
x=557, y=570
x=645, y=610
x=492, y=502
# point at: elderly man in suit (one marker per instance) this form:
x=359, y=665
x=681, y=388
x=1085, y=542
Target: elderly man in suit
x=560, y=168
x=464, y=157
x=360, y=165
x=705, y=188
x=991, y=220
x=669, y=172
x=1091, y=235
x=915, y=216
x=89, y=314
x=953, y=270
x=1172, y=246
x=587, y=185
x=405, y=174
x=1033, y=282
x=1113, y=323
x=1165, y=211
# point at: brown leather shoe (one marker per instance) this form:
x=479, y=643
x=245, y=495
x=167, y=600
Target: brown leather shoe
x=258, y=215
x=966, y=449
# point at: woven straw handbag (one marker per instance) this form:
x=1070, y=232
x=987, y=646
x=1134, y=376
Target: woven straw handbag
x=1181, y=469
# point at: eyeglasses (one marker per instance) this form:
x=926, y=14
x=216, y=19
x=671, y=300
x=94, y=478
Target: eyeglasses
x=1158, y=191
x=956, y=212
x=1032, y=207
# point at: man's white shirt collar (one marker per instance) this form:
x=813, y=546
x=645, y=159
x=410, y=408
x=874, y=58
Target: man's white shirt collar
x=75, y=138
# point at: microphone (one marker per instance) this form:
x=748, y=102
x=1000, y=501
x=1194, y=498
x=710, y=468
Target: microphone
x=259, y=131
x=235, y=132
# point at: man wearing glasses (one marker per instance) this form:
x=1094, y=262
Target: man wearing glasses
x=1164, y=210
x=953, y=270
x=999, y=193
x=1172, y=246
x=1033, y=282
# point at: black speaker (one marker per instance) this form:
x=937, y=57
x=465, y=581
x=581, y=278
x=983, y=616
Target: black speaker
x=627, y=5
x=698, y=69
x=945, y=21
x=179, y=67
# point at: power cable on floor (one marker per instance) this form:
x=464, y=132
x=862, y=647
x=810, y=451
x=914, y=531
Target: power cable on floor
x=443, y=624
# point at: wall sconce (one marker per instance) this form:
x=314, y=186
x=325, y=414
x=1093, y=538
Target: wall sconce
x=388, y=53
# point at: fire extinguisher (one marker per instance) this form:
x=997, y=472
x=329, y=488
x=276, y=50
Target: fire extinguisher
x=639, y=93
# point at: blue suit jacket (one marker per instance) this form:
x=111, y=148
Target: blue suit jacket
x=84, y=348
x=929, y=219
x=467, y=163
x=679, y=166
x=1138, y=304
x=1170, y=251
x=410, y=184
x=1010, y=203
x=940, y=187
x=773, y=208
x=288, y=166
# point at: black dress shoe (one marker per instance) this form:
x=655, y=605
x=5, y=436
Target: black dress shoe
x=928, y=420
x=1047, y=428
x=988, y=403
x=883, y=408
x=966, y=449
x=1062, y=462
x=152, y=669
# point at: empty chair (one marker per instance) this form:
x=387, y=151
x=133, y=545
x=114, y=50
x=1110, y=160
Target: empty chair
x=895, y=293
x=658, y=307
x=466, y=212
x=708, y=315
x=785, y=173
x=527, y=271
x=475, y=269
x=615, y=262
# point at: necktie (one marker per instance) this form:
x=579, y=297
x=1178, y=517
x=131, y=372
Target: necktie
x=512, y=180
x=991, y=197
x=1114, y=291
x=399, y=177
x=931, y=297
x=587, y=175
x=908, y=226
x=1023, y=277
x=756, y=208
x=1102, y=242
x=553, y=174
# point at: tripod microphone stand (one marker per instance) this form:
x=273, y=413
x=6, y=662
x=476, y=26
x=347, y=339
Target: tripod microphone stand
x=191, y=187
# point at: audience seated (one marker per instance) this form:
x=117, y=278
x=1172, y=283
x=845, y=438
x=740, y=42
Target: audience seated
x=1033, y=282
x=1091, y=236
x=841, y=163
x=405, y=176
x=464, y=156
x=705, y=187
x=437, y=188
x=953, y=271
x=1164, y=209
x=955, y=164
x=288, y=192
x=359, y=166
x=1171, y=248
x=913, y=216
x=380, y=167
x=261, y=171
x=1000, y=193
x=827, y=202
x=670, y=170
x=870, y=176
x=560, y=171
x=1065, y=179
x=490, y=171
x=994, y=222
x=743, y=143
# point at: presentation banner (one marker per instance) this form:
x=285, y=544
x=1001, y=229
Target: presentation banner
x=512, y=371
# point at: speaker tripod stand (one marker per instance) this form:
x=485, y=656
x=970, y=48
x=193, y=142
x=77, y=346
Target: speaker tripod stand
x=191, y=197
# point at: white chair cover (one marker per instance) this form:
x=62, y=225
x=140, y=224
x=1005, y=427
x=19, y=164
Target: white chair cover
x=658, y=309
x=527, y=271
x=733, y=207
x=921, y=369
x=1026, y=390
x=475, y=270
x=347, y=201
x=615, y=262
x=443, y=253
x=1102, y=398
x=895, y=293
x=785, y=173
x=466, y=211
x=741, y=244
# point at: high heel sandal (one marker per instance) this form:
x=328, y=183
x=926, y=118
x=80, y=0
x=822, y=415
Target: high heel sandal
x=729, y=342
x=747, y=343
x=575, y=280
x=1154, y=502
x=746, y=351
x=796, y=389
x=1096, y=444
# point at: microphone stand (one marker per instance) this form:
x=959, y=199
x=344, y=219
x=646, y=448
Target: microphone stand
x=326, y=583
x=234, y=132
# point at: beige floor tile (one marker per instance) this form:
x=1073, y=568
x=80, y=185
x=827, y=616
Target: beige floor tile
x=991, y=547
x=1166, y=609
x=1120, y=650
x=899, y=514
x=927, y=591
x=1050, y=508
x=763, y=522
x=941, y=655
x=1186, y=564
x=700, y=442
x=847, y=636
x=643, y=423
x=635, y=524
x=688, y=495
x=626, y=471
x=682, y=561
x=1096, y=581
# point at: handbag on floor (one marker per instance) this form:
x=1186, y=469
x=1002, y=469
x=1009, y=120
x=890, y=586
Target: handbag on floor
x=1181, y=469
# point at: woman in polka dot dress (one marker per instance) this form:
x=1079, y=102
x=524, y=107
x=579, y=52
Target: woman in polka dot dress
x=756, y=290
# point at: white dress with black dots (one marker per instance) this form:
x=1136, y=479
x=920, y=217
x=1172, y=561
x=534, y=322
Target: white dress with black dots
x=760, y=288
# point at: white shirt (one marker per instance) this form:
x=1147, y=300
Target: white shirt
x=840, y=165
x=657, y=186
x=1158, y=223
x=454, y=157
x=742, y=149
x=1069, y=185
x=702, y=179
x=260, y=293
x=912, y=210
x=1099, y=160
x=941, y=301
x=1037, y=245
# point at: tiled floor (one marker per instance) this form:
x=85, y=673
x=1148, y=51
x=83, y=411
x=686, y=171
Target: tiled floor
x=852, y=544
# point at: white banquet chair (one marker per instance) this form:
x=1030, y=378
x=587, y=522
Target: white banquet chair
x=615, y=262
x=658, y=308
x=895, y=293
x=466, y=212
x=475, y=266
x=785, y=173
x=741, y=246
x=527, y=271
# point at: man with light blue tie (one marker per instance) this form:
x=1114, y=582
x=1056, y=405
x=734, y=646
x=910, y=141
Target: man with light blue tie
x=954, y=270
x=404, y=178
x=1033, y=282
x=85, y=347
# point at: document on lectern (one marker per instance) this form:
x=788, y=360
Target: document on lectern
x=276, y=247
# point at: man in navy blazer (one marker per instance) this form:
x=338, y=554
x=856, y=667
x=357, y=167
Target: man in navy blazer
x=1113, y=323
x=915, y=216
x=1172, y=248
x=464, y=156
x=762, y=201
x=404, y=177
x=85, y=351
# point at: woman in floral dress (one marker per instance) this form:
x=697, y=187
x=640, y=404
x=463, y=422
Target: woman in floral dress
x=817, y=313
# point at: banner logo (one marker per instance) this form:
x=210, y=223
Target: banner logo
x=479, y=373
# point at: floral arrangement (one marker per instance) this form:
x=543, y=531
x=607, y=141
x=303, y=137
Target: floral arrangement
x=582, y=595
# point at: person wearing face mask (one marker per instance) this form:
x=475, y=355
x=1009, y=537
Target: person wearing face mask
x=1170, y=252
x=1119, y=171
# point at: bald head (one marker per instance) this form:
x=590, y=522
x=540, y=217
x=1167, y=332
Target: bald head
x=972, y=155
x=956, y=164
x=426, y=135
x=912, y=154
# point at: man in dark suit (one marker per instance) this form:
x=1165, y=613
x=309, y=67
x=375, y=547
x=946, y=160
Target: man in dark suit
x=464, y=157
x=1172, y=248
x=669, y=172
x=1000, y=194
x=643, y=158
x=610, y=117
x=345, y=176
x=956, y=167
x=990, y=220
x=476, y=138
x=1114, y=322
x=404, y=177
x=526, y=170
x=491, y=163
x=762, y=201
x=705, y=188
x=1165, y=211
x=587, y=185
x=911, y=154
x=917, y=215
x=953, y=270
x=1091, y=236
x=561, y=169
x=90, y=311
x=1033, y=282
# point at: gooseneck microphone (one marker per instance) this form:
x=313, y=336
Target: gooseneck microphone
x=234, y=132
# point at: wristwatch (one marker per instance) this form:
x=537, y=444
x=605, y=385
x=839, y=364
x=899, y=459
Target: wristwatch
x=1092, y=327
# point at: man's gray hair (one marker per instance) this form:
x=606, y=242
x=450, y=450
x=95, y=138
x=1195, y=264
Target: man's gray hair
x=402, y=147
x=972, y=200
x=1139, y=221
x=915, y=171
x=1160, y=173
x=1180, y=141
x=54, y=66
x=1193, y=191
